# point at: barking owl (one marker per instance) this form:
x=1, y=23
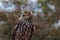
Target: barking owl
x=24, y=27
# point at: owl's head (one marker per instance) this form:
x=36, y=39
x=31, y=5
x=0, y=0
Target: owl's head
x=27, y=13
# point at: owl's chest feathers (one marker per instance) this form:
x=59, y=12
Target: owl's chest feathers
x=25, y=24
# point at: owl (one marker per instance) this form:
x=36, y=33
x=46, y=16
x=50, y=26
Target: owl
x=24, y=27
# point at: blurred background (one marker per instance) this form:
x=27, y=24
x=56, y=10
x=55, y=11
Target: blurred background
x=46, y=18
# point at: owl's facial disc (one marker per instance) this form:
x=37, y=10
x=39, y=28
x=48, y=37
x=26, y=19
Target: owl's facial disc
x=27, y=13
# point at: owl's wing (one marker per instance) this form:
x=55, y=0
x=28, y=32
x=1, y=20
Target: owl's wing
x=17, y=25
x=15, y=29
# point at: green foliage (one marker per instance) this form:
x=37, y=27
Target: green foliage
x=5, y=31
x=3, y=16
